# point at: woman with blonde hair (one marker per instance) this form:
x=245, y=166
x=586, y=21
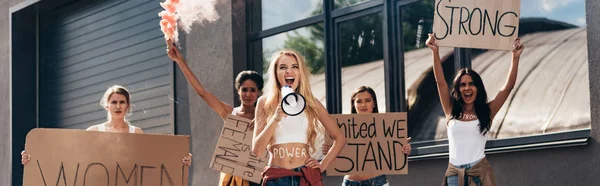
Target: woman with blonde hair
x=290, y=139
x=117, y=103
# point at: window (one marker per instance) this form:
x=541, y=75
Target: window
x=349, y=43
x=361, y=55
x=308, y=41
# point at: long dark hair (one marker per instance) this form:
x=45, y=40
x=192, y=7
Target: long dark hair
x=363, y=89
x=482, y=109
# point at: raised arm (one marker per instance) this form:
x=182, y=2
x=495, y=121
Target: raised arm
x=339, y=141
x=504, y=92
x=438, y=73
x=264, y=127
x=222, y=108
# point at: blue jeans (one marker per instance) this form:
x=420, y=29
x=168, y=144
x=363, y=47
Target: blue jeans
x=453, y=180
x=380, y=180
x=286, y=181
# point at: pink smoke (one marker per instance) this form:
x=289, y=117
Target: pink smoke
x=184, y=13
x=168, y=24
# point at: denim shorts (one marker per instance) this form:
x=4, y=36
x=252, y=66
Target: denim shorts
x=380, y=180
x=453, y=180
x=286, y=181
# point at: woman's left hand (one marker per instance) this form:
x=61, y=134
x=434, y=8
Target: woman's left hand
x=173, y=52
x=187, y=160
x=313, y=163
x=406, y=148
x=517, y=48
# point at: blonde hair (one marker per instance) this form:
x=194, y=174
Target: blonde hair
x=116, y=89
x=272, y=93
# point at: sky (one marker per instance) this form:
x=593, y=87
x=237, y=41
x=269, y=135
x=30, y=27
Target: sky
x=568, y=11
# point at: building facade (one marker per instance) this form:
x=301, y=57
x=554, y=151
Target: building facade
x=60, y=56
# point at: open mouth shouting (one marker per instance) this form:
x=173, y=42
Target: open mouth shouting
x=289, y=81
x=468, y=96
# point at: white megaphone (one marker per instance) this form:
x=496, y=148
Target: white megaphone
x=292, y=103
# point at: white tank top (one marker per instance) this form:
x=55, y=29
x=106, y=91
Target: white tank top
x=102, y=128
x=465, y=143
x=319, y=141
x=291, y=129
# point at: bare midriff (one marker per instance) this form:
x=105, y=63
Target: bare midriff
x=289, y=155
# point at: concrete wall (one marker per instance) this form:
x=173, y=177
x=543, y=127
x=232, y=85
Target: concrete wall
x=208, y=50
x=5, y=128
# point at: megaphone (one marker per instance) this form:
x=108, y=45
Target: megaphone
x=292, y=103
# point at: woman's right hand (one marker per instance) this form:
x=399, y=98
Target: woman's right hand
x=173, y=52
x=25, y=157
x=432, y=43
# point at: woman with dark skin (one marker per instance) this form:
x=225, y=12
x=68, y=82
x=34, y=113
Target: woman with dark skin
x=249, y=84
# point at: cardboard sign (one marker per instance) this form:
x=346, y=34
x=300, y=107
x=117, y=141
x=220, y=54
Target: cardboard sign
x=89, y=158
x=233, y=154
x=482, y=24
x=374, y=144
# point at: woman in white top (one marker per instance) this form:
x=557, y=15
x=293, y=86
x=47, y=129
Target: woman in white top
x=468, y=113
x=290, y=139
x=364, y=101
x=116, y=101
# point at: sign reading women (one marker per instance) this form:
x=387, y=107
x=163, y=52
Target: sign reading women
x=89, y=158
